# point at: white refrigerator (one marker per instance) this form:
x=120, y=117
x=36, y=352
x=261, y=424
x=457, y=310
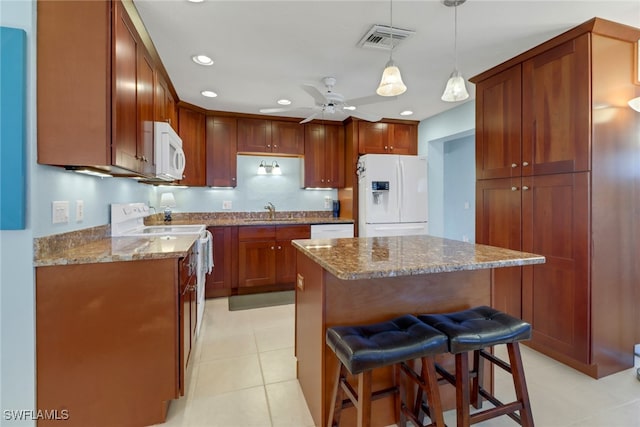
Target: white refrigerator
x=392, y=194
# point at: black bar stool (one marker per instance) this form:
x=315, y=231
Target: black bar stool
x=360, y=349
x=475, y=330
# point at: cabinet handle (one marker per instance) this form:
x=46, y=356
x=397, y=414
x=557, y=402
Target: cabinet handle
x=391, y=148
x=514, y=188
x=514, y=165
x=275, y=146
x=525, y=163
x=322, y=180
x=279, y=247
x=268, y=145
x=386, y=148
x=233, y=179
x=525, y=188
x=272, y=248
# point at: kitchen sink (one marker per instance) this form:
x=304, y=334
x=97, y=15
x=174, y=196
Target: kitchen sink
x=272, y=220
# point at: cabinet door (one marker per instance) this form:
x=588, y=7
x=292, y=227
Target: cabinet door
x=164, y=104
x=373, y=138
x=334, y=151
x=498, y=223
x=219, y=281
x=286, y=253
x=125, y=125
x=556, y=109
x=498, y=122
x=221, y=151
x=287, y=138
x=404, y=139
x=144, y=94
x=254, y=136
x=257, y=263
x=556, y=301
x=191, y=128
x=314, y=155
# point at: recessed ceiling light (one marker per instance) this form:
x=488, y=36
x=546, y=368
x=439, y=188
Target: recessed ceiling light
x=202, y=60
x=209, y=93
x=349, y=107
x=196, y=1
x=284, y=102
x=406, y=113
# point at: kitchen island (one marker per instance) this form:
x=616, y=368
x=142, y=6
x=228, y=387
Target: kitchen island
x=366, y=280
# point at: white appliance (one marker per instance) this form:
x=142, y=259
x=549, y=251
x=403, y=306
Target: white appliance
x=331, y=231
x=169, y=156
x=392, y=191
x=127, y=220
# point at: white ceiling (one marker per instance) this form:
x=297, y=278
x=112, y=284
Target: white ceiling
x=265, y=50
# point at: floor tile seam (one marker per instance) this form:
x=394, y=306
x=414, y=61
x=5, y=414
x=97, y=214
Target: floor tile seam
x=229, y=357
x=225, y=392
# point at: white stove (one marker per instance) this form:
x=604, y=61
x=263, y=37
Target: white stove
x=127, y=220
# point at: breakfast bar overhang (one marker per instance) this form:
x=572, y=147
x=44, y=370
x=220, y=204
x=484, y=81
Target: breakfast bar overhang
x=366, y=280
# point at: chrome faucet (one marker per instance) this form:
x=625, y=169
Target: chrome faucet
x=272, y=210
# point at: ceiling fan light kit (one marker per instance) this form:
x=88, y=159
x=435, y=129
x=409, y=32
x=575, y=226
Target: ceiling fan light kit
x=456, y=89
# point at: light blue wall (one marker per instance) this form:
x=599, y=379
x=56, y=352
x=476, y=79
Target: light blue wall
x=433, y=135
x=459, y=188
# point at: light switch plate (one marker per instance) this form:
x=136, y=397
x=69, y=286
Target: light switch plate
x=60, y=212
x=79, y=210
x=226, y=204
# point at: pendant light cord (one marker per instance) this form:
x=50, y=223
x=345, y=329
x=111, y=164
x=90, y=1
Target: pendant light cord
x=391, y=32
x=455, y=36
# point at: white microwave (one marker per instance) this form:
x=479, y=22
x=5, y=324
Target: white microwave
x=169, y=157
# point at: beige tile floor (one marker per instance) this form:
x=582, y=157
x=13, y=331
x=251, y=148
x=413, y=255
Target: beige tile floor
x=243, y=374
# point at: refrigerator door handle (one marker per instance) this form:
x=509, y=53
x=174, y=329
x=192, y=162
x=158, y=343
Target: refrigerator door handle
x=401, y=189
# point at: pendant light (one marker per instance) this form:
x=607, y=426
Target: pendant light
x=456, y=89
x=391, y=83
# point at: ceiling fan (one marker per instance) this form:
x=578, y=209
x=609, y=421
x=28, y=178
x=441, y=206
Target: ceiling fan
x=330, y=102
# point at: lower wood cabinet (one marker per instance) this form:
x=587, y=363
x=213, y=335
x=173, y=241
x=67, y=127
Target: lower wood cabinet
x=225, y=266
x=266, y=258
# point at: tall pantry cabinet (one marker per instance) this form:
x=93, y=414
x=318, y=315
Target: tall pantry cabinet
x=558, y=174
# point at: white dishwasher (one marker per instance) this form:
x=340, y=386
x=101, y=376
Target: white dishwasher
x=331, y=231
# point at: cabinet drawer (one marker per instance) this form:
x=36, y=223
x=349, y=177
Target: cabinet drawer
x=290, y=232
x=256, y=233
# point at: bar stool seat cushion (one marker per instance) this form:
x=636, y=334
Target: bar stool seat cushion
x=361, y=348
x=478, y=328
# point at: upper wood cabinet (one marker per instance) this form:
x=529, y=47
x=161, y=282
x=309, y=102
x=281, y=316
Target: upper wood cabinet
x=324, y=156
x=270, y=136
x=92, y=58
x=221, y=151
x=191, y=128
x=387, y=138
x=164, y=103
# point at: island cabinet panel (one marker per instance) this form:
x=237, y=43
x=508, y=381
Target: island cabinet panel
x=108, y=341
x=323, y=301
x=571, y=195
x=221, y=134
x=220, y=281
x=266, y=258
x=324, y=156
x=191, y=128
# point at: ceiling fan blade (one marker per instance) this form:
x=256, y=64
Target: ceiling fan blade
x=364, y=116
x=315, y=94
x=275, y=110
x=311, y=117
x=372, y=99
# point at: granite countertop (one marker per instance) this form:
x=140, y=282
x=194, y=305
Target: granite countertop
x=94, y=245
x=373, y=257
x=113, y=249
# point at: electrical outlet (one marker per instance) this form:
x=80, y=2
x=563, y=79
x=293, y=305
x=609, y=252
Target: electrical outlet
x=79, y=210
x=60, y=212
x=226, y=204
x=465, y=238
x=466, y=205
x=327, y=202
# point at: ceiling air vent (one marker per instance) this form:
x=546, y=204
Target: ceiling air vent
x=379, y=37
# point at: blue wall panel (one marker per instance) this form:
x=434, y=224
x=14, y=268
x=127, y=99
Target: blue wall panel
x=12, y=128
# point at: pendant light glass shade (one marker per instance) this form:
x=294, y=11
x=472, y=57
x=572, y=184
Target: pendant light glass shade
x=635, y=104
x=456, y=89
x=391, y=83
